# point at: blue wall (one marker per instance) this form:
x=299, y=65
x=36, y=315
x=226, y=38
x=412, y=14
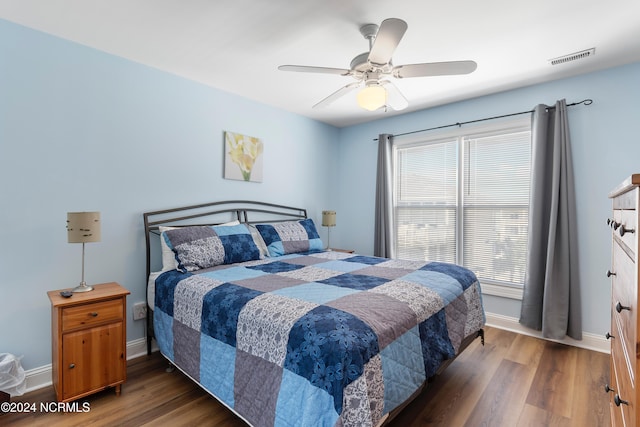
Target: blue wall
x=606, y=149
x=82, y=130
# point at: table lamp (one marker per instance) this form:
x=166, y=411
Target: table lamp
x=329, y=220
x=83, y=227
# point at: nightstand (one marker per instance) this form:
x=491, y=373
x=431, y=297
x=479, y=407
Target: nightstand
x=88, y=337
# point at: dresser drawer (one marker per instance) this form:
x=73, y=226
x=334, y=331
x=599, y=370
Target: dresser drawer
x=91, y=314
x=616, y=410
x=623, y=394
x=624, y=298
x=620, y=348
x=626, y=223
x=616, y=361
x=626, y=199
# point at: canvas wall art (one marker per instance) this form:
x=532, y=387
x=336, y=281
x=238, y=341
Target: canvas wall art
x=242, y=157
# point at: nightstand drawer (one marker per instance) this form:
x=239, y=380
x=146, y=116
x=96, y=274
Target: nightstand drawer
x=91, y=314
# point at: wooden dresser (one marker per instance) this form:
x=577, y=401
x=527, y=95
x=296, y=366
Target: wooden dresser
x=624, y=337
x=88, y=337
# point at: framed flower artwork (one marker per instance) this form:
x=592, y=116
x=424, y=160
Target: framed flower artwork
x=242, y=157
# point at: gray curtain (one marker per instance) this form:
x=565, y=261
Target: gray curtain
x=383, y=233
x=551, y=301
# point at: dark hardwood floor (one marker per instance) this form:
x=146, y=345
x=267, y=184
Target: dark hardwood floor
x=514, y=380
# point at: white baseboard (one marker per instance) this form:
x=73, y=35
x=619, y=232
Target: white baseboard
x=41, y=377
x=589, y=341
x=38, y=378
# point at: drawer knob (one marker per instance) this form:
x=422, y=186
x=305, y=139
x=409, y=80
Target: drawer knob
x=610, y=273
x=607, y=389
x=626, y=230
x=618, y=401
x=72, y=365
x=607, y=336
x=93, y=314
x=620, y=307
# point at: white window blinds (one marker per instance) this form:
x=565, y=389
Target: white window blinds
x=465, y=200
x=496, y=206
x=426, y=194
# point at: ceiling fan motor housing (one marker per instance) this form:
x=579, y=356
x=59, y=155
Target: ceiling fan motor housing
x=360, y=63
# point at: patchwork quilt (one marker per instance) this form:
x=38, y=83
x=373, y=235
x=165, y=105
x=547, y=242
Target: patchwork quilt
x=315, y=339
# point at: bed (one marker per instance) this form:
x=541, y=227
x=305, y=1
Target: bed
x=250, y=306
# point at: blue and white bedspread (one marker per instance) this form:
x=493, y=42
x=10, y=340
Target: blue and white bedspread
x=315, y=339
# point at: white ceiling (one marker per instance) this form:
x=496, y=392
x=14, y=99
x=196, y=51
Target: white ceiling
x=237, y=45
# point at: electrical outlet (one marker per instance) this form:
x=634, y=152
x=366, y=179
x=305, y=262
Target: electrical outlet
x=139, y=310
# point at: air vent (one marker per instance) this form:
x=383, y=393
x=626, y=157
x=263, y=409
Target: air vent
x=573, y=56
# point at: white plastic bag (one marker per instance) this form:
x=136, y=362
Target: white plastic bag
x=12, y=377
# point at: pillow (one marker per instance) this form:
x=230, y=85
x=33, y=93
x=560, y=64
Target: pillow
x=257, y=238
x=199, y=247
x=168, y=257
x=290, y=237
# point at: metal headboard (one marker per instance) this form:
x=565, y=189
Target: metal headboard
x=245, y=211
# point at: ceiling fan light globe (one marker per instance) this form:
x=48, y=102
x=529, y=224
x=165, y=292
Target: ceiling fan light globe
x=372, y=97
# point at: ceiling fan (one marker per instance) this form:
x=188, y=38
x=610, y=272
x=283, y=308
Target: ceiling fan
x=374, y=69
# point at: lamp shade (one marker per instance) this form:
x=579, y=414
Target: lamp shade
x=372, y=97
x=83, y=227
x=328, y=218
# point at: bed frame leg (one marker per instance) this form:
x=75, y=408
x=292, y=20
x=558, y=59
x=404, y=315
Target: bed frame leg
x=148, y=331
x=481, y=335
x=170, y=368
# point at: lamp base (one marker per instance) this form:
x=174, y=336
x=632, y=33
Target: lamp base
x=328, y=248
x=82, y=288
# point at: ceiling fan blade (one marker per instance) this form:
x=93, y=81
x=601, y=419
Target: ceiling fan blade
x=434, y=69
x=337, y=94
x=395, y=98
x=389, y=35
x=308, y=69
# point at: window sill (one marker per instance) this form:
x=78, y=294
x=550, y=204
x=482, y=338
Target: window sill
x=502, y=291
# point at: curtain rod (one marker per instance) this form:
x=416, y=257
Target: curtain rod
x=459, y=124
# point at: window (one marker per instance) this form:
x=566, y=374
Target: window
x=463, y=198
